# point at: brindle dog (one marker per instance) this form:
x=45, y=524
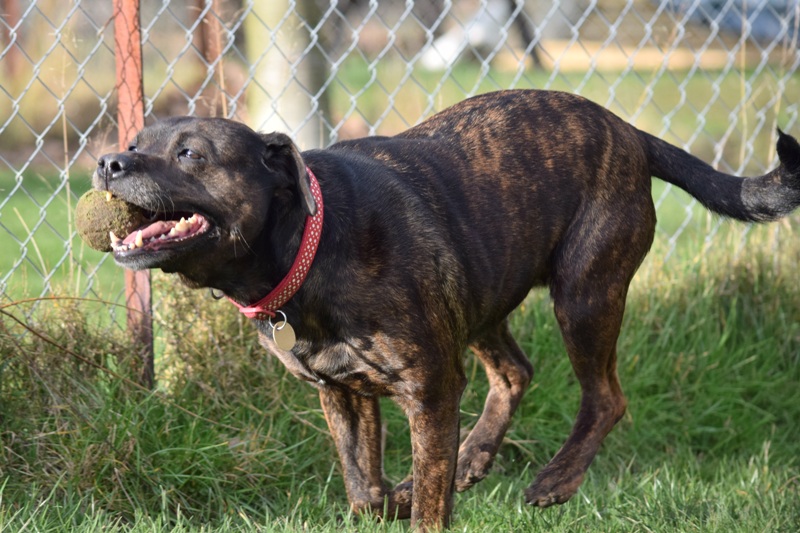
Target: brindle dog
x=430, y=239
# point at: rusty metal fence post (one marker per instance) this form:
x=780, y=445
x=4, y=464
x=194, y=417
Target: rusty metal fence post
x=130, y=119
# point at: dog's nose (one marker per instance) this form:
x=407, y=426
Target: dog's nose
x=113, y=166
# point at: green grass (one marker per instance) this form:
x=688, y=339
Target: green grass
x=230, y=442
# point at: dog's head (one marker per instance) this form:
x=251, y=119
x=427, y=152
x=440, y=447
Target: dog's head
x=208, y=187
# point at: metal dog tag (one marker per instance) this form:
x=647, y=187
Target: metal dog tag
x=283, y=335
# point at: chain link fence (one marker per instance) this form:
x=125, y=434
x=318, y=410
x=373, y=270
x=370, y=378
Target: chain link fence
x=713, y=76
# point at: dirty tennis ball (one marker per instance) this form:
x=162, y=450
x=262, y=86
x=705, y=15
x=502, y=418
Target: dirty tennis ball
x=99, y=213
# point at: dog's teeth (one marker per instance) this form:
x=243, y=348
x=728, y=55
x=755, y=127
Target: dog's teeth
x=114, y=239
x=172, y=232
x=139, y=242
x=192, y=219
x=109, y=196
x=182, y=226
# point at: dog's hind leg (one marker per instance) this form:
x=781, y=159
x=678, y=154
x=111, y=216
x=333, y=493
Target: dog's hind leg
x=509, y=373
x=592, y=348
x=355, y=423
x=589, y=286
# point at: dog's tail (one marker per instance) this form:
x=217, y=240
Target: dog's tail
x=758, y=199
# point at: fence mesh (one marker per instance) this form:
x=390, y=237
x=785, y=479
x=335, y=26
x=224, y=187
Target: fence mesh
x=713, y=76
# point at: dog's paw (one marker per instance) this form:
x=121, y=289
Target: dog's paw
x=549, y=488
x=400, y=500
x=401, y=494
x=473, y=466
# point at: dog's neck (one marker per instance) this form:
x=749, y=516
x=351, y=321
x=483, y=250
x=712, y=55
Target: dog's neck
x=267, y=306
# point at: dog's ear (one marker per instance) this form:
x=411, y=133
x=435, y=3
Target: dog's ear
x=281, y=155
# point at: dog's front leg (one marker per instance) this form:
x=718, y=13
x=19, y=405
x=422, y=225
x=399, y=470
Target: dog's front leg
x=434, y=442
x=355, y=423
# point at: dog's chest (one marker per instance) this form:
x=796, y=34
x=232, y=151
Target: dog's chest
x=293, y=364
x=362, y=365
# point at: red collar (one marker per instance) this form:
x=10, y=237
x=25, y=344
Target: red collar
x=288, y=287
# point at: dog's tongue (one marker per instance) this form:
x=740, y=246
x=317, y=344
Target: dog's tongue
x=161, y=230
x=157, y=228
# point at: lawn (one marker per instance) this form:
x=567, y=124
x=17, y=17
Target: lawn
x=230, y=442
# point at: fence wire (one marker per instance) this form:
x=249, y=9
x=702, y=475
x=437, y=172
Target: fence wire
x=713, y=76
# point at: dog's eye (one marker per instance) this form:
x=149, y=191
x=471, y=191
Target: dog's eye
x=132, y=148
x=190, y=154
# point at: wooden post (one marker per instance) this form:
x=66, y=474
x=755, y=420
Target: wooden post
x=208, y=40
x=130, y=119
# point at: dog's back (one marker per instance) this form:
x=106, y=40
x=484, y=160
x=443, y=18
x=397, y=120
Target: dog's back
x=508, y=177
x=545, y=166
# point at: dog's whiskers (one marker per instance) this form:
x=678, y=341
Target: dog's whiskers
x=236, y=233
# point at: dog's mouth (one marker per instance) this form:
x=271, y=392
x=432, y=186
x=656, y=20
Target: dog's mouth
x=161, y=234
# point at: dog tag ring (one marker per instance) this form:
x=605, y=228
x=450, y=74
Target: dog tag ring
x=283, y=334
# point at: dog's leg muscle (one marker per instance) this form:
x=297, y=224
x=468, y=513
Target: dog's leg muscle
x=592, y=270
x=432, y=406
x=509, y=373
x=591, y=345
x=434, y=444
x=355, y=423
